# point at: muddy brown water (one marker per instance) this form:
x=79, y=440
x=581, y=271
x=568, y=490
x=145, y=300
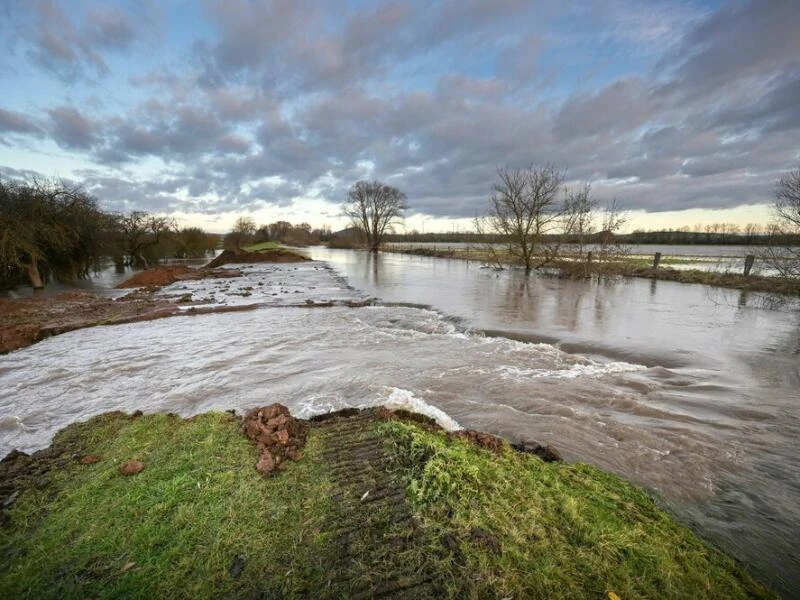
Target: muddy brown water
x=688, y=391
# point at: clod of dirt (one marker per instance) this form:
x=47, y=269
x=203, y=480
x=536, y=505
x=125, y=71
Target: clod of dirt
x=90, y=459
x=237, y=566
x=546, y=453
x=132, y=467
x=489, y=540
x=240, y=256
x=278, y=435
x=453, y=548
x=479, y=438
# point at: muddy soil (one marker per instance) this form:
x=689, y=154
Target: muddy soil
x=278, y=435
x=270, y=256
x=25, y=321
x=161, y=276
x=20, y=471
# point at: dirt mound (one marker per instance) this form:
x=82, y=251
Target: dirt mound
x=479, y=438
x=277, y=433
x=240, y=256
x=157, y=276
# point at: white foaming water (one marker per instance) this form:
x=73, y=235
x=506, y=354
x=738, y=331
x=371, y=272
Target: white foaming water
x=312, y=360
x=571, y=372
x=404, y=399
x=289, y=284
x=390, y=397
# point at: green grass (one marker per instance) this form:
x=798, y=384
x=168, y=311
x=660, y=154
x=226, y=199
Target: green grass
x=554, y=530
x=174, y=530
x=262, y=247
x=489, y=525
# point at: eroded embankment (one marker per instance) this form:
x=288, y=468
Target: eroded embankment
x=376, y=504
x=25, y=321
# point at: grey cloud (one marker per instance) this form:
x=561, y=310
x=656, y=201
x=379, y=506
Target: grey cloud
x=775, y=109
x=308, y=92
x=233, y=143
x=739, y=41
x=288, y=46
x=71, y=129
x=618, y=108
x=108, y=27
x=72, y=45
x=15, y=122
x=184, y=131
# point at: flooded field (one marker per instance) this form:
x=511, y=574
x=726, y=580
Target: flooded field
x=688, y=391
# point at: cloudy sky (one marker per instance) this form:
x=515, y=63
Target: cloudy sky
x=685, y=111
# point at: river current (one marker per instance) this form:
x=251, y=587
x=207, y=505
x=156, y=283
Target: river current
x=688, y=391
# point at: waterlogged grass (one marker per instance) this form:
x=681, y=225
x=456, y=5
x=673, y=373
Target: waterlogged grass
x=515, y=526
x=262, y=247
x=182, y=528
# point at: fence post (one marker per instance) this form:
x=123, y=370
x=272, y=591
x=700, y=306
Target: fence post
x=656, y=260
x=748, y=264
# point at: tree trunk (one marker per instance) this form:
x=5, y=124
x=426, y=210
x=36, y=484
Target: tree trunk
x=34, y=275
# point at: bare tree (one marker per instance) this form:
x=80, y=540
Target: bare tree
x=142, y=233
x=608, y=242
x=578, y=219
x=783, y=253
x=243, y=230
x=373, y=207
x=523, y=209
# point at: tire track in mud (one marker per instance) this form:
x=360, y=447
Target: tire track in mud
x=378, y=550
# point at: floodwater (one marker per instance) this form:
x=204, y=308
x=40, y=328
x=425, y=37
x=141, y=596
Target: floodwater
x=688, y=391
x=717, y=258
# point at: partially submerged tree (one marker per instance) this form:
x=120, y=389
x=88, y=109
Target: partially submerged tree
x=373, y=207
x=783, y=253
x=578, y=219
x=48, y=227
x=523, y=208
x=142, y=234
x=193, y=242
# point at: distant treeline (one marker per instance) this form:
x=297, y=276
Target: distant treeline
x=725, y=237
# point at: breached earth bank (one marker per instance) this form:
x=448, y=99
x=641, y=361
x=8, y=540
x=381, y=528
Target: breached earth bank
x=363, y=503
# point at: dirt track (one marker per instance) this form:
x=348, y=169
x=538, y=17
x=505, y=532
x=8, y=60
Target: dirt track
x=374, y=532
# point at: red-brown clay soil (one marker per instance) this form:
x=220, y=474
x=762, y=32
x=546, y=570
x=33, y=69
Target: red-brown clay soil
x=240, y=256
x=160, y=276
x=157, y=276
x=25, y=321
x=278, y=435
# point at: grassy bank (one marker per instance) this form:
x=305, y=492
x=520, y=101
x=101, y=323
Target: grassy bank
x=262, y=247
x=373, y=507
